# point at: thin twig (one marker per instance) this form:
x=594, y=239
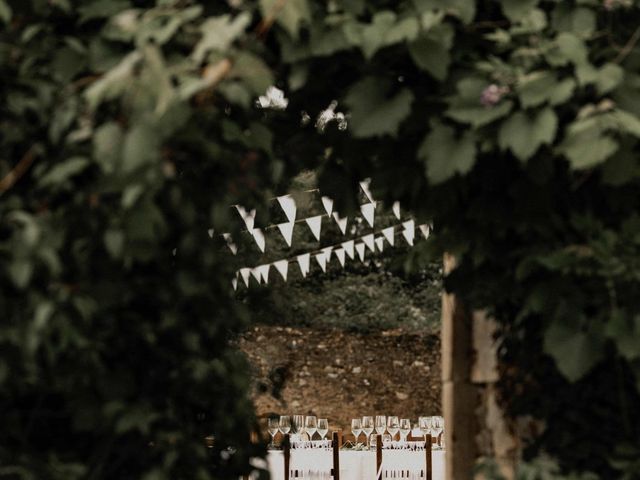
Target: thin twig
x=626, y=50
x=18, y=171
x=267, y=22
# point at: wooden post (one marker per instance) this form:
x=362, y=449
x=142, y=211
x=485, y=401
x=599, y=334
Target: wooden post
x=286, y=444
x=458, y=393
x=335, y=443
x=429, y=461
x=378, y=456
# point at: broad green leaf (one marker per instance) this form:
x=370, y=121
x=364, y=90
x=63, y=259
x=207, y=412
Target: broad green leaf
x=575, y=351
x=514, y=10
x=101, y=9
x=465, y=107
x=114, y=82
x=578, y=20
x=290, y=14
x=622, y=167
x=327, y=42
x=567, y=48
x=430, y=51
x=20, y=271
x=587, y=147
x=627, y=122
x=5, y=11
x=523, y=134
x=160, y=29
x=385, y=29
x=465, y=10
x=539, y=87
x=140, y=148
x=625, y=334
x=609, y=77
x=373, y=111
x=532, y=23
x=63, y=171
x=107, y=146
x=445, y=154
x=114, y=242
x=253, y=72
x=218, y=33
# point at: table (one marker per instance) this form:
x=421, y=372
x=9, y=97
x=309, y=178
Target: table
x=355, y=465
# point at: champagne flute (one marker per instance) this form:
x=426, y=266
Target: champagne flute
x=393, y=425
x=381, y=424
x=273, y=427
x=310, y=425
x=425, y=426
x=284, y=425
x=356, y=428
x=367, y=428
x=405, y=428
x=323, y=427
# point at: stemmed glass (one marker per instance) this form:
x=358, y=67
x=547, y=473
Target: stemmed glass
x=437, y=425
x=323, y=427
x=310, y=425
x=405, y=428
x=298, y=425
x=367, y=428
x=425, y=426
x=381, y=424
x=273, y=427
x=393, y=425
x=284, y=425
x=356, y=428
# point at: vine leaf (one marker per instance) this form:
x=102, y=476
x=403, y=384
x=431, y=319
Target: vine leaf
x=524, y=134
x=575, y=351
x=445, y=155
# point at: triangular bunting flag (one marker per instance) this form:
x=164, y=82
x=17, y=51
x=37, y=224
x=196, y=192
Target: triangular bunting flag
x=408, y=232
x=348, y=247
x=380, y=243
x=258, y=236
x=424, y=228
x=328, y=205
x=234, y=282
x=248, y=217
x=327, y=253
x=210, y=232
x=286, y=229
x=255, y=273
x=396, y=209
x=263, y=270
x=389, y=235
x=244, y=273
x=339, y=252
x=282, y=266
x=303, y=261
x=288, y=204
x=315, y=225
x=321, y=258
x=369, y=242
x=368, y=212
x=360, y=247
x=364, y=185
x=232, y=246
x=342, y=222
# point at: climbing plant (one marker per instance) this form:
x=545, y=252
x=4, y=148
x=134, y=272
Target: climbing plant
x=129, y=127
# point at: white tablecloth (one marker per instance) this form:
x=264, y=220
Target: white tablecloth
x=358, y=465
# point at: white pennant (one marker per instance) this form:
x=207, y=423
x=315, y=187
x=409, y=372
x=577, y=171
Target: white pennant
x=315, y=225
x=328, y=205
x=340, y=254
x=258, y=236
x=263, y=270
x=368, y=212
x=389, y=235
x=288, y=204
x=256, y=274
x=348, y=247
x=244, y=273
x=408, y=231
x=380, y=243
x=364, y=185
x=342, y=222
x=321, y=258
x=282, y=266
x=424, y=228
x=286, y=229
x=234, y=282
x=303, y=261
x=360, y=249
x=248, y=217
x=232, y=246
x=369, y=242
x=210, y=232
x=327, y=253
x=396, y=209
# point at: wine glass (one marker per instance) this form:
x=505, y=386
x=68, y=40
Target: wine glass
x=405, y=428
x=273, y=427
x=367, y=427
x=298, y=425
x=381, y=424
x=393, y=425
x=356, y=428
x=323, y=427
x=437, y=424
x=284, y=425
x=310, y=425
x=425, y=426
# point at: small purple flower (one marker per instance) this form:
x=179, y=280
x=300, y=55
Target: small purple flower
x=492, y=95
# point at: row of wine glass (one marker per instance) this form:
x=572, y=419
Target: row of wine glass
x=382, y=424
x=299, y=425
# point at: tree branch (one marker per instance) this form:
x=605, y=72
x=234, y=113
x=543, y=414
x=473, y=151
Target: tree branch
x=18, y=171
x=626, y=50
